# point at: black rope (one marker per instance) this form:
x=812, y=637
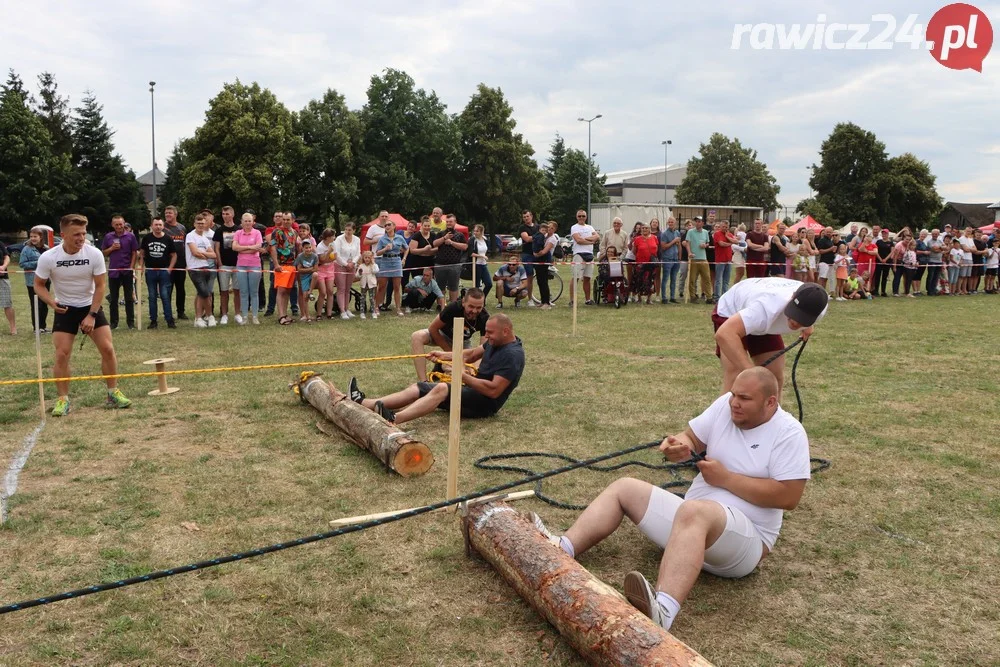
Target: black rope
x=161, y=574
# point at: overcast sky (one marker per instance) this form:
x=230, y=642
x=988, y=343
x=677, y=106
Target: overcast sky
x=655, y=70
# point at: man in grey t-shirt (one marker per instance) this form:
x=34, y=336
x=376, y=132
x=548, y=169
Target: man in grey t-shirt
x=934, y=261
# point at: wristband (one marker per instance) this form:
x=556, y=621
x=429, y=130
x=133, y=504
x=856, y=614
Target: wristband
x=94, y=315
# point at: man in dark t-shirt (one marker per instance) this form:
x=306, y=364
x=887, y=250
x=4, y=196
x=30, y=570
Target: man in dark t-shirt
x=177, y=232
x=483, y=394
x=827, y=251
x=757, y=251
x=158, y=254
x=527, y=233
x=441, y=331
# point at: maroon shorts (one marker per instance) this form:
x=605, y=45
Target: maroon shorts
x=753, y=344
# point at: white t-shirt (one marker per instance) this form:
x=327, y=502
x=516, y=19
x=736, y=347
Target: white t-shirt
x=481, y=249
x=761, y=303
x=373, y=234
x=72, y=276
x=201, y=241
x=993, y=258
x=585, y=231
x=968, y=245
x=956, y=256
x=348, y=252
x=777, y=449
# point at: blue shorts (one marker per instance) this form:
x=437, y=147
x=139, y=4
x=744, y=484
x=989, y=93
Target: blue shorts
x=528, y=261
x=305, y=282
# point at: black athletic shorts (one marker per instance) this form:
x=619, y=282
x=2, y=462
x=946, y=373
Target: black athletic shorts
x=69, y=322
x=474, y=404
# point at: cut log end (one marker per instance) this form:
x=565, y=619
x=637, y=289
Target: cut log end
x=413, y=458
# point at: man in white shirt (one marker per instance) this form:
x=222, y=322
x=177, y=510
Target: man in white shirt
x=752, y=316
x=968, y=243
x=755, y=464
x=78, y=277
x=375, y=232
x=584, y=237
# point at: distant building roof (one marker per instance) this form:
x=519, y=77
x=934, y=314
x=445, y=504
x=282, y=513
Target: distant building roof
x=997, y=205
x=976, y=215
x=147, y=178
x=617, y=177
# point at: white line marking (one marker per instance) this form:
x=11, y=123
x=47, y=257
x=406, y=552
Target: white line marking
x=14, y=469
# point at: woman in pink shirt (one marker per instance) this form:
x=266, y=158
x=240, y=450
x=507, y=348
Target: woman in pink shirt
x=326, y=275
x=247, y=242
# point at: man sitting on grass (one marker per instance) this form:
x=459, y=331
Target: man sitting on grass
x=756, y=464
x=482, y=395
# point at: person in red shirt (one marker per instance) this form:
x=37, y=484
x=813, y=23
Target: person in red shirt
x=723, y=241
x=646, y=248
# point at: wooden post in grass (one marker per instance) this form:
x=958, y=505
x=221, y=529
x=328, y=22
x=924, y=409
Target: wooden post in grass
x=455, y=409
x=137, y=282
x=576, y=299
x=591, y=616
x=397, y=450
x=38, y=357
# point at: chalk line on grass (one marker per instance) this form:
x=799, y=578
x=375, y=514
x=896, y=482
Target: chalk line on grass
x=14, y=469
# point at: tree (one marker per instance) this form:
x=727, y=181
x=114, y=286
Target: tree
x=410, y=148
x=30, y=173
x=15, y=85
x=53, y=111
x=498, y=175
x=104, y=185
x=851, y=160
x=557, y=151
x=907, y=197
x=818, y=211
x=728, y=174
x=245, y=155
x=171, y=193
x=570, y=193
x=331, y=134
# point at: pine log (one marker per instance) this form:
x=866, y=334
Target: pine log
x=591, y=616
x=398, y=451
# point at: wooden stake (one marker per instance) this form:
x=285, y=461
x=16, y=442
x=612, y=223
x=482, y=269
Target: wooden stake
x=38, y=356
x=455, y=410
x=474, y=272
x=576, y=299
x=137, y=290
x=591, y=616
x=351, y=520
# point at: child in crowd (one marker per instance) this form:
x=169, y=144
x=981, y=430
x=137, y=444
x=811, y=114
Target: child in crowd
x=910, y=266
x=841, y=262
x=954, y=263
x=854, y=287
x=800, y=262
x=992, y=266
x=368, y=271
x=306, y=264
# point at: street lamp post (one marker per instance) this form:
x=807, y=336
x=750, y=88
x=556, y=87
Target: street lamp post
x=590, y=159
x=809, y=169
x=665, y=145
x=152, y=120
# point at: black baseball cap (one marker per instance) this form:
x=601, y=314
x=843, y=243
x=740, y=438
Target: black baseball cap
x=807, y=304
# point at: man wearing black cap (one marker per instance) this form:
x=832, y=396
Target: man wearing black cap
x=751, y=317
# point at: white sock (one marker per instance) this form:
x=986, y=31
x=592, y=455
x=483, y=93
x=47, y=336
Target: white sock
x=669, y=605
x=567, y=546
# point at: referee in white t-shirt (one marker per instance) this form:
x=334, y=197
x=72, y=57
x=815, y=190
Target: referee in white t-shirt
x=78, y=278
x=755, y=465
x=751, y=317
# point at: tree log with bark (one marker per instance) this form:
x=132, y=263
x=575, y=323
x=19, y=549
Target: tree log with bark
x=393, y=447
x=593, y=617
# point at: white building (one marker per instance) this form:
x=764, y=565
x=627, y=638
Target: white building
x=644, y=186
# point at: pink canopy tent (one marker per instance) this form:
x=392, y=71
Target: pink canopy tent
x=989, y=229
x=806, y=223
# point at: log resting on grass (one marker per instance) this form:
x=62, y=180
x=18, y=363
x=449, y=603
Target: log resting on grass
x=593, y=617
x=399, y=452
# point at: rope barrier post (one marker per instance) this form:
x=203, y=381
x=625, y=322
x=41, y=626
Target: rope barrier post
x=137, y=292
x=38, y=357
x=576, y=297
x=161, y=378
x=455, y=409
x=474, y=272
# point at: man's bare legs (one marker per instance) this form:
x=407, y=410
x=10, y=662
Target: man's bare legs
x=624, y=497
x=697, y=525
x=409, y=404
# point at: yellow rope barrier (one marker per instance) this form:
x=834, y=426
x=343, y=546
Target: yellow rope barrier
x=195, y=371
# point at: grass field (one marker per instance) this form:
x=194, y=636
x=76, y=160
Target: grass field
x=891, y=558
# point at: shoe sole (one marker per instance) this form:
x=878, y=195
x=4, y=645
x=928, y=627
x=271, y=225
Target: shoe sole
x=637, y=592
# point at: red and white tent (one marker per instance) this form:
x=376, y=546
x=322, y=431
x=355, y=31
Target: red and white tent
x=807, y=223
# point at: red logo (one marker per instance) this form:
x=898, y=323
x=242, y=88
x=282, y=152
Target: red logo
x=961, y=36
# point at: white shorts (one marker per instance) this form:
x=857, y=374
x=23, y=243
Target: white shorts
x=735, y=554
x=812, y=261
x=581, y=270
x=825, y=270
x=739, y=259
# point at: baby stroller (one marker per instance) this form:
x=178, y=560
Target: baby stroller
x=612, y=287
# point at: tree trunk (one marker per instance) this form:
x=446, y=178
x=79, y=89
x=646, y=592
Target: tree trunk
x=367, y=430
x=593, y=617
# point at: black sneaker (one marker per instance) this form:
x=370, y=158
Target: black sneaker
x=674, y=301
x=182, y=316
x=709, y=301
x=353, y=392
x=588, y=302
x=384, y=412
x=152, y=325
x=171, y=325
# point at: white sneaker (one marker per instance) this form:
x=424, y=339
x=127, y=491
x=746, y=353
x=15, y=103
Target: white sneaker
x=350, y=315
x=211, y=321
x=840, y=298
x=225, y=320
x=407, y=310
x=529, y=304
x=200, y=322
x=642, y=596
x=239, y=319
x=345, y=316
x=375, y=315
x=255, y=321
x=362, y=316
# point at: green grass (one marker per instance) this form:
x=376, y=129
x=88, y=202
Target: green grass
x=889, y=559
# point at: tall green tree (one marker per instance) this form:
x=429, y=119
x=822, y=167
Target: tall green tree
x=327, y=186
x=171, y=193
x=30, y=172
x=819, y=212
x=53, y=110
x=498, y=176
x=104, y=185
x=245, y=155
x=907, y=196
x=410, y=148
x=728, y=174
x=557, y=151
x=847, y=178
x=570, y=192
x=14, y=84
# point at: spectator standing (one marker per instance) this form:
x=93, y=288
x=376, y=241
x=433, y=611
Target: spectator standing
x=178, y=233
x=422, y=250
x=451, y=246
x=543, y=246
x=646, y=248
x=122, y=250
x=389, y=253
x=5, y=299
x=306, y=264
x=326, y=277
x=992, y=265
x=923, y=253
x=347, y=247
x=28, y=260
x=956, y=260
x=696, y=241
x=935, y=256
x=438, y=221
x=614, y=237
x=158, y=256
x=910, y=265
x=670, y=246
x=480, y=249
x=367, y=271
x=883, y=260
x=722, y=241
x=375, y=232
x=757, y=250
x=223, y=240
x=410, y=268
x=284, y=247
x=812, y=253
x=779, y=253
x=200, y=253
x=899, y=249
x=828, y=252
x=841, y=263
x=247, y=244
x=978, y=260
x=968, y=245
x=584, y=238
x=272, y=292
x=654, y=231
x=527, y=235
x=685, y=259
